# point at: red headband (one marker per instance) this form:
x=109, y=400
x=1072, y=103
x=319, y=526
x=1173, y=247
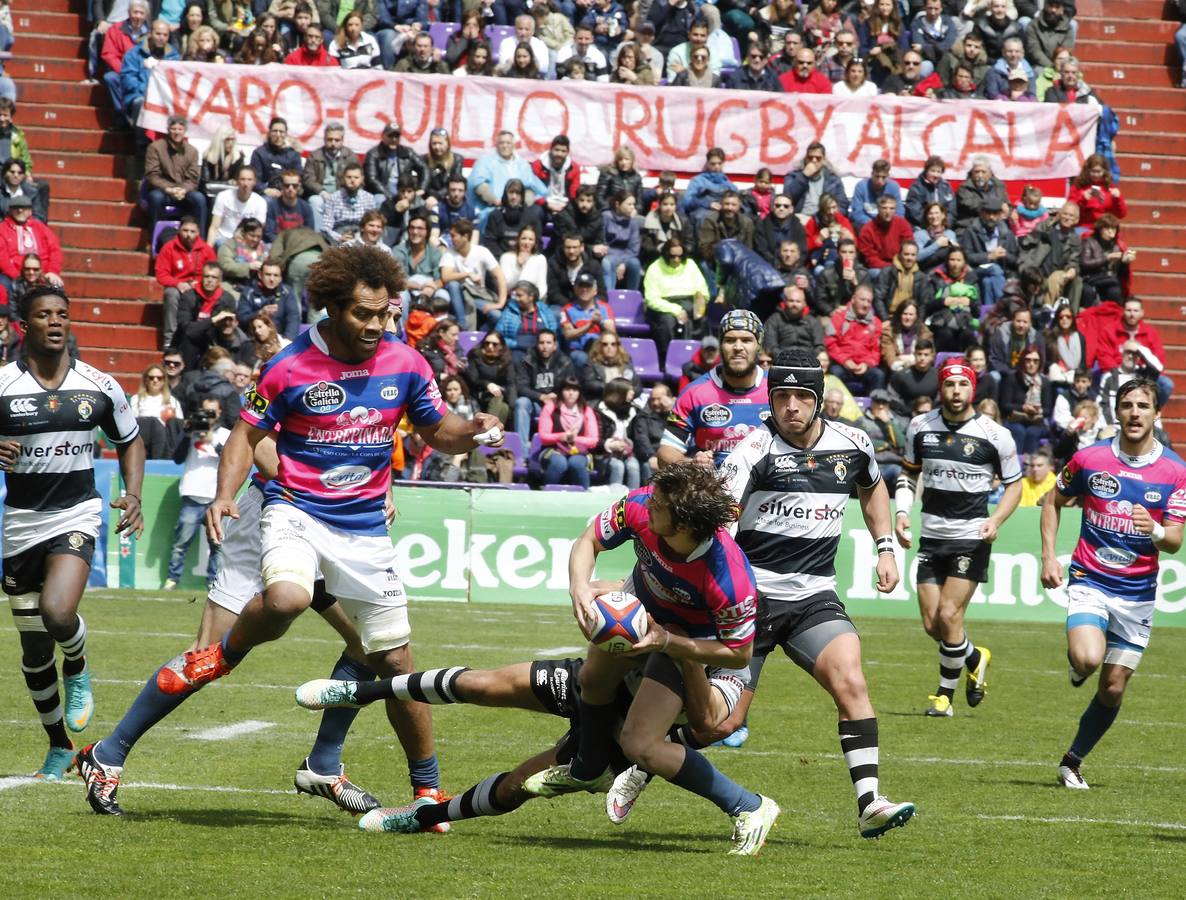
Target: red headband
x=957, y=368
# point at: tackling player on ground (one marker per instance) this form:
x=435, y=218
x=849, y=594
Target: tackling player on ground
x=1133, y=493
x=956, y=452
x=792, y=480
x=50, y=406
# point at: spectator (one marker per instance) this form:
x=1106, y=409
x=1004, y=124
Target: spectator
x=154, y=399
x=491, y=172
x=826, y=231
x=968, y=53
x=919, y=379
x=267, y=293
x=754, y=75
x=203, y=45
x=902, y=335
x=646, y=430
x=199, y=302
x=1078, y=389
x=568, y=434
x=582, y=217
x=671, y=19
x=443, y=166
x=780, y=225
x=836, y=283
x=704, y=192
x=834, y=53
x=623, y=239
x=814, y=178
x=221, y=163
x=869, y=192
x=997, y=81
x=1106, y=261
x=520, y=63
x=265, y=338
x=1011, y=341
x=288, y=210
x=373, y=228
x=423, y=60
x=882, y=237
x=901, y=282
x=17, y=180
x=856, y=81
x=490, y=374
x=584, y=320
x=1132, y=364
x=853, y=341
x=525, y=34
x=1092, y=190
x=935, y=239
x=881, y=29
x=117, y=41
x=343, y=211
x=673, y=290
x=789, y=266
x=805, y=78
x=615, y=451
x=1066, y=348
x=757, y=200
x=478, y=62
x=933, y=33
x=138, y=63
x=524, y=317
x=242, y=257
x=886, y=434
x=705, y=358
x=171, y=174
x=1055, y=250
x=699, y=73
x=556, y=170
x=234, y=205
x=354, y=48
x=621, y=177
x=697, y=38
x=910, y=82
x=453, y=206
x=1070, y=87
x=439, y=347
x=608, y=361
x=258, y=50
x=980, y=189
x=951, y=313
x=421, y=261
x=962, y=86
x=1027, y=400
x=1039, y=479
x=565, y=267
x=990, y=246
x=468, y=271
x=510, y=218
x=664, y=220
x=212, y=378
x=1086, y=426
x=1028, y=214
x=829, y=28
x=929, y=187
x=178, y=268
x=609, y=22
x=997, y=24
x=581, y=49
x=648, y=54
x=20, y=235
x=388, y=163
x=312, y=50
x=792, y=326
x=987, y=387
x=200, y=451
x=728, y=223
x=1048, y=31
x=325, y=168
x=524, y=262
x=1050, y=75
x=538, y=375
x=837, y=408
x=274, y=157
x=1133, y=331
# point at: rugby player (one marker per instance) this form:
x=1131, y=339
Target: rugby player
x=957, y=452
x=49, y=408
x=1133, y=493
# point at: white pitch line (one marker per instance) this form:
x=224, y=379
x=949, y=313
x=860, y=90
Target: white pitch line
x=1076, y=820
x=21, y=781
x=942, y=761
x=559, y=651
x=223, y=732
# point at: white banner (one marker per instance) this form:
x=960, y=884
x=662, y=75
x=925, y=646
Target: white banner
x=667, y=128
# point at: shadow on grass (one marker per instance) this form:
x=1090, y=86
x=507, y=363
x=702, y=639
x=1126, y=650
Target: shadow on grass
x=639, y=841
x=224, y=818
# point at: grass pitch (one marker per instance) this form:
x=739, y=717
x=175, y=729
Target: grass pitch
x=219, y=817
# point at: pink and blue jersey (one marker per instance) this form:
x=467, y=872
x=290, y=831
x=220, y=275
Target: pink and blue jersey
x=337, y=422
x=711, y=594
x=710, y=415
x=1111, y=555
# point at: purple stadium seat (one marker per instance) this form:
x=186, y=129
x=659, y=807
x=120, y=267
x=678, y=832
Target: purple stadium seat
x=513, y=444
x=158, y=228
x=496, y=34
x=941, y=358
x=564, y=487
x=467, y=340
x=645, y=357
x=678, y=353
x=863, y=402
x=440, y=32
x=627, y=307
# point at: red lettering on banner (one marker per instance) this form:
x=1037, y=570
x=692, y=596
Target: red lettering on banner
x=936, y=123
x=624, y=127
x=458, y=138
x=309, y=100
x=872, y=135
x=1014, y=150
x=661, y=132
x=710, y=133
x=500, y=103
x=183, y=98
x=991, y=143
x=219, y=102
x=250, y=103
x=355, y=106
x=438, y=121
x=1058, y=145
x=770, y=133
x=821, y=124
x=898, y=160
x=401, y=107
x=541, y=121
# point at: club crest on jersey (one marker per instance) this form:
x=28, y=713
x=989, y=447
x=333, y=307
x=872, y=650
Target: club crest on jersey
x=1103, y=485
x=716, y=415
x=963, y=564
x=389, y=392
x=51, y=403
x=85, y=408
x=76, y=540
x=969, y=448
x=840, y=470
x=324, y=397
x=1152, y=497
x=810, y=463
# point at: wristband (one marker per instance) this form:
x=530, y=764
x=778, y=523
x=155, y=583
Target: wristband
x=1158, y=532
x=885, y=544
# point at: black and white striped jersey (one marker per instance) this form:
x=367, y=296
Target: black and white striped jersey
x=51, y=487
x=958, y=461
x=792, y=504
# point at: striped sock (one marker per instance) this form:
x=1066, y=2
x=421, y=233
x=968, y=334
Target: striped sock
x=433, y=686
x=858, y=742
x=478, y=801
x=74, y=651
x=951, y=665
x=42, y=682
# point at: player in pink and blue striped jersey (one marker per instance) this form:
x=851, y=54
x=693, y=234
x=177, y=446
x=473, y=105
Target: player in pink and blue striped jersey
x=1132, y=490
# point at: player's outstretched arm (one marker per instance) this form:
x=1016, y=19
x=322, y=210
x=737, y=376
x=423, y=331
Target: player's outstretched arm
x=453, y=434
x=1008, y=503
x=875, y=508
x=131, y=467
x=709, y=652
x=237, y=456
x=1048, y=525
x=581, y=560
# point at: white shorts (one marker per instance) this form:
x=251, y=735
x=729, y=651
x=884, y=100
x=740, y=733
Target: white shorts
x=1126, y=623
x=358, y=569
x=238, y=578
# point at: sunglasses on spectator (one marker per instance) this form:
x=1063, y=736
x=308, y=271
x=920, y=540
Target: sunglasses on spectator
x=491, y=343
x=31, y=269
x=609, y=343
x=172, y=364
x=911, y=62
x=1035, y=359
x=156, y=377
x=782, y=205
x=815, y=157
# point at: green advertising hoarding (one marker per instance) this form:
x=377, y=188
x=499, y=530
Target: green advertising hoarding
x=500, y=546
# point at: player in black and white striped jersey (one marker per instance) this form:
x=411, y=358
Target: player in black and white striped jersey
x=50, y=406
x=957, y=453
x=792, y=479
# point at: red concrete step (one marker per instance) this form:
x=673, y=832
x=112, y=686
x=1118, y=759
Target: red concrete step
x=117, y=312
x=106, y=262
x=124, y=364
x=27, y=6
x=1173, y=335
x=1135, y=121
x=114, y=287
x=37, y=89
x=73, y=187
x=1125, y=52
x=1145, y=31
x=79, y=164
x=1132, y=9
x=1160, y=260
x=1158, y=285
x=1171, y=168
x=1156, y=190
x=101, y=338
x=46, y=136
x=46, y=22
x=79, y=118
x=51, y=46
x=1151, y=143
x=104, y=237
x=1164, y=309
x=94, y=213
x=1176, y=429
x=1105, y=77
x=1146, y=98
x=1157, y=213
x=68, y=68
x=1166, y=236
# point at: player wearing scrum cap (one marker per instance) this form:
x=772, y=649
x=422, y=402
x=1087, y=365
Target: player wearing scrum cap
x=791, y=479
x=957, y=452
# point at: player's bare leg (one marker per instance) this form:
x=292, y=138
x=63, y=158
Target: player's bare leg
x=216, y=621
x=411, y=721
x=1086, y=645
x=942, y=607
x=1101, y=712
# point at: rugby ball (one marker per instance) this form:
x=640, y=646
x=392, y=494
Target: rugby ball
x=621, y=621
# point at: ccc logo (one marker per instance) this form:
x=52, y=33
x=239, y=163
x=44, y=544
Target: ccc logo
x=23, y=405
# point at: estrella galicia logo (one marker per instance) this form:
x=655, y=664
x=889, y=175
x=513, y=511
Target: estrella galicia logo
x=324, y=397
x=1103, y=485
x=716, y=415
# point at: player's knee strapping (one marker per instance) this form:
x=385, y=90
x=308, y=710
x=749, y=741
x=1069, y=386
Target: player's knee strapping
x=26, y=615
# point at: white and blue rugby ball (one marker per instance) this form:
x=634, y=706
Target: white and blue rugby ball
x=621, y=621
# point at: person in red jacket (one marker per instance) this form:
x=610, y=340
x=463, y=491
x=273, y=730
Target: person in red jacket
x=179, y=267
x=882, y=236
x=312, y=51
x=1093, y=190
x=21, y=234
x=805, y=78
x=852, y=338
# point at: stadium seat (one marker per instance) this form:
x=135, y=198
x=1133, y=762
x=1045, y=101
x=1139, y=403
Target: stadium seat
x=564, y=487
x=440, y=32
x=863, y=402
x=941, y=358
x=160, y=227
x=678, y=353
x=511, y=442
x=496, y=34
x=645, y=357
x=627, y=307
x=467, y=340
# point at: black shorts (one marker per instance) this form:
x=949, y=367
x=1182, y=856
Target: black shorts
x=801, y=627
x=556, y=684
x=24, y=573
x=939, y=560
